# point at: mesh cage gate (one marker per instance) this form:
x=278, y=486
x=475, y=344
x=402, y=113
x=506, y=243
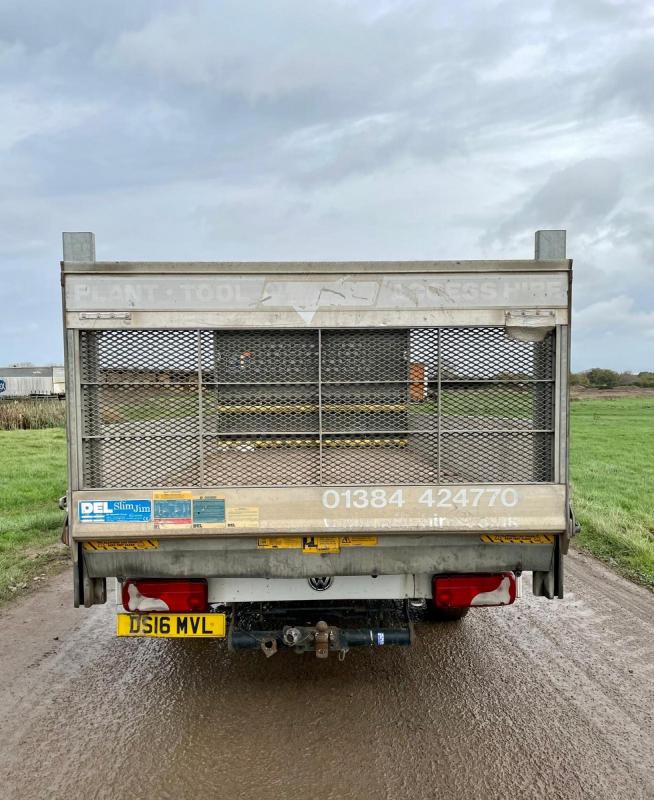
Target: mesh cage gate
x=201, y=408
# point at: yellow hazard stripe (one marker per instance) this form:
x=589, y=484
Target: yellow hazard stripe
x=512, y=538
x=364, y=442
x=304, y=409
x=121, y=544
x=271, y=443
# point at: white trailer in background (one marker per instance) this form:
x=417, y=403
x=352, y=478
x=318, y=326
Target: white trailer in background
x=302, y=454
x=32, y=382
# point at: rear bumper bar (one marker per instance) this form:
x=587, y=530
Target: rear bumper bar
x=344, y=640
x=239, y=557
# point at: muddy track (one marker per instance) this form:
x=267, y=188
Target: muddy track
x=542, y=700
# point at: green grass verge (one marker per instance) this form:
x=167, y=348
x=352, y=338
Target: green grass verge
x=503, y=402
x=612, y=470
x=32, y=478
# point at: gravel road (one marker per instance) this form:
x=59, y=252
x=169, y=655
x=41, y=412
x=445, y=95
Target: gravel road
x=540, y=700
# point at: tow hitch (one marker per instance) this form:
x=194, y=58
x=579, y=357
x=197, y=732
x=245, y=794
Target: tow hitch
x=334, y=631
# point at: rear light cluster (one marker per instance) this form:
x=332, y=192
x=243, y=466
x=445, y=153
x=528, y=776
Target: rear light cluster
x=462, y=591
x=165, y=595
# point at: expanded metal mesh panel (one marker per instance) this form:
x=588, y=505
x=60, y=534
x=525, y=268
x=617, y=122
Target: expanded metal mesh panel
x=260, y=409
x=276, y=407
x=497, y=405
x=141, y=462
x=369, y=355
x=133, y=357
x=262, y=461
x=253, y=357
x=365, y=407
x=489, y=354
x=114, y=411
x=391, y=458
x=499, y=457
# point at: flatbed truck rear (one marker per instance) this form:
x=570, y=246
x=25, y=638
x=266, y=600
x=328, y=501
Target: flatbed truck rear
x=311, y=455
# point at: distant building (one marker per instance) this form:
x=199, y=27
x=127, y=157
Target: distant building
x=31, y=381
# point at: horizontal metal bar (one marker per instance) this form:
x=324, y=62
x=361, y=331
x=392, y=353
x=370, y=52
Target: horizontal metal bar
x=403, y=382
x=311, y=267
x=326, y=319
x=359, y=432
x=181, y=384
x=519, y=431
x=237, y=409
x=260, y=383
x=497, y=381
x=222, y=486
x=330, y=432
x=140, y=437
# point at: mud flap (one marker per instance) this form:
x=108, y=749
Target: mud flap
x=65, y=532
x=77, y=579
x=550, y=584
x=87, y=591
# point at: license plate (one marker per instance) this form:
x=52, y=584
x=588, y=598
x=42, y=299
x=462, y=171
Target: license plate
x=172, y=626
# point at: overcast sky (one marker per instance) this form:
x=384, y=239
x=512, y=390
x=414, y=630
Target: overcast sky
x=306, y=129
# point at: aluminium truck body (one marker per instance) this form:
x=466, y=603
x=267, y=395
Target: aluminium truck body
x=300, y=437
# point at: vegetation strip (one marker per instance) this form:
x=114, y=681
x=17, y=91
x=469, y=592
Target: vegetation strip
x=612, y=469
x=32, y=478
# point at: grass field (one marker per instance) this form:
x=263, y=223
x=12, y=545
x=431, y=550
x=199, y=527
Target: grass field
x=612, y=468
x=612, y=464
x=501, y=401
x=32, y=478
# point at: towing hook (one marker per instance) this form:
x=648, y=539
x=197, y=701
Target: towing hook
x=322, y=639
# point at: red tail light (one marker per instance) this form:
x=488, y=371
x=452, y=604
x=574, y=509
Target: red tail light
x=461, y=591
x=165, y=595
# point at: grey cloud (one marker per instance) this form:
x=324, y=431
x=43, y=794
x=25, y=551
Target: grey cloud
x=617, y=313
x=72, y=23
x=630, y=84
x=633, y=229
x=416, y=65
x=402, y=129
x=620, y=14
x=579, y=196
x=331, y=48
